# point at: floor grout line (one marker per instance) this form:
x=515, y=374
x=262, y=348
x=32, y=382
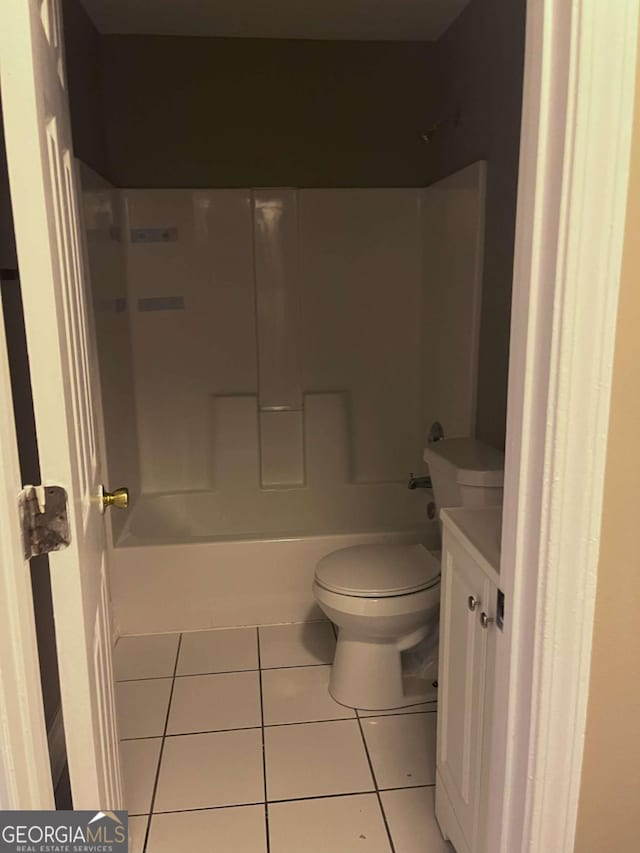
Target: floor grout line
x=339, y=795
x=272, y=725
x=166, y=724
x=375, y=782
x=224, y=672
x=264, y=752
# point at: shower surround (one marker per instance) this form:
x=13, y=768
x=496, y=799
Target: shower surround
x=286, y=350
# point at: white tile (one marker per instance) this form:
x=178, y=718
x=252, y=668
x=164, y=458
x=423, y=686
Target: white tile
x=137, y=832
x=153, y=656
x=139, y=765
x=410, y=709
x=300, y=644
x=316, y=759
x=224, y=650
x=300, y=695
x=412, y=823
x=402, y=749
x=345, y=824
x=206, y=770
x=207, y=703
x=236, y=830
x=142, y=707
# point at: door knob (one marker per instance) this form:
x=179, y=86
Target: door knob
x=118, y=498
x=485, y=620
x=473, y=602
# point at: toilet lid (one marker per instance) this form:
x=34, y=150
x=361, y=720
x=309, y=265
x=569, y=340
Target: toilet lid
x=375, y=571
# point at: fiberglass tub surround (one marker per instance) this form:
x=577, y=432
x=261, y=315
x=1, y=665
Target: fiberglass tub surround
x=285, y=351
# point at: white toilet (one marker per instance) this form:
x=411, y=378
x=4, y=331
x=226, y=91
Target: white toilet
x=385, y=598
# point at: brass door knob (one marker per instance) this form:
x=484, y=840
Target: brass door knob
x=118, y=498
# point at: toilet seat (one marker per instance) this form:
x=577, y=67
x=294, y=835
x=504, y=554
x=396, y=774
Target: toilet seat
x=378, y=571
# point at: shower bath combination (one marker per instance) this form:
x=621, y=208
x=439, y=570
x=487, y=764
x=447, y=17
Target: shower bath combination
x=301, y=332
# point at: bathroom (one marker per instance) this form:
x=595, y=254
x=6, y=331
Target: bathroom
x=300, y=237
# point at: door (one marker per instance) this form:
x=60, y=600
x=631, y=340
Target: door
x=25, y=771
x=465, y=592
x=64, y=380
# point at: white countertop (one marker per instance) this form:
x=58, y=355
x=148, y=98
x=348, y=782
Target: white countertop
x=481, y=530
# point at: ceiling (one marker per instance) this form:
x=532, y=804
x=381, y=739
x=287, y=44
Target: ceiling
x=386, y=20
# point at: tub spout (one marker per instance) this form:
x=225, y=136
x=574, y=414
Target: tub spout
x=419, y=482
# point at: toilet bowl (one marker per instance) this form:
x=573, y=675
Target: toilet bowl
x=384, y=600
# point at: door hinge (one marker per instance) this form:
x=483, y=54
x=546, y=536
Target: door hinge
x=44, y=519
x=500, y=610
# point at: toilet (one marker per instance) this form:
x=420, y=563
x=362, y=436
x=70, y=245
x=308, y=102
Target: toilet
x=384, y=599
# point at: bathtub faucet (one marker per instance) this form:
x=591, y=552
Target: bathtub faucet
x=419, y=482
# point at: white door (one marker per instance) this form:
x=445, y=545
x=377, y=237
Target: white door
x=64, y=379
x=25, y=772
x=466, y=591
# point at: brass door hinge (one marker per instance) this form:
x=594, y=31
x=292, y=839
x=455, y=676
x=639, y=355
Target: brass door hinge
x=44, y=519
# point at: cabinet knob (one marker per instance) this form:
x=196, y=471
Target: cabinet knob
x=473, y=602
x=485, y=620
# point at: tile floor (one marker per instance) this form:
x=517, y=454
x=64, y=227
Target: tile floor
x=230, y=742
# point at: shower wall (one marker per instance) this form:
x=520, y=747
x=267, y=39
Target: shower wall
x=276, y=336
x=105, y=237
x=453, y=222
x=283, y=350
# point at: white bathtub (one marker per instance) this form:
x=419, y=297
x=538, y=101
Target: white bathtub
x=167, y=574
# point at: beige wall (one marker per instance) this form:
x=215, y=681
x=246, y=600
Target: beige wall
x=609, y=812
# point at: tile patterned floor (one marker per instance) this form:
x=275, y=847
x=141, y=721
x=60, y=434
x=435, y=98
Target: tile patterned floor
x=231, y=742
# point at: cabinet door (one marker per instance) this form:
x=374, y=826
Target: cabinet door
x=466, y=592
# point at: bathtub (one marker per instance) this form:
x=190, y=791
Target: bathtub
x=182, y=564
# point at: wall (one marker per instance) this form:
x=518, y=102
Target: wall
x=279, y=335
x=480, y=61
x=198, y=112
x=84, y=76
x=453, y=228
x=202, y=112
x=249, y=310
x=608, y=816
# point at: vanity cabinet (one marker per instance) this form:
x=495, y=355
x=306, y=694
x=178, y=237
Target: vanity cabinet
x=470, y=579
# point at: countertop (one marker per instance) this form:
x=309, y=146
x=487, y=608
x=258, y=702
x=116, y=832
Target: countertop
x=480, y=529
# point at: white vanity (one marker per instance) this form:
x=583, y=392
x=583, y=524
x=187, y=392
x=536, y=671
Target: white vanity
x=468, y=612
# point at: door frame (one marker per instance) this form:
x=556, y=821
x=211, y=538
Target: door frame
x=578, y=105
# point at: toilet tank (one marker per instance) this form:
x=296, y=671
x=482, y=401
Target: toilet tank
x=465, y=472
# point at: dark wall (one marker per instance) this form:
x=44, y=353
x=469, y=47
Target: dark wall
x=481, y=59
x=84, y=80
x=194, y=112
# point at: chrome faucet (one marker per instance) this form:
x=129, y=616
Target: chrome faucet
x=419, y=482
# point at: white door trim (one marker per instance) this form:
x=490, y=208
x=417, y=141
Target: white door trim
x=25, y=772
x=580, y=70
